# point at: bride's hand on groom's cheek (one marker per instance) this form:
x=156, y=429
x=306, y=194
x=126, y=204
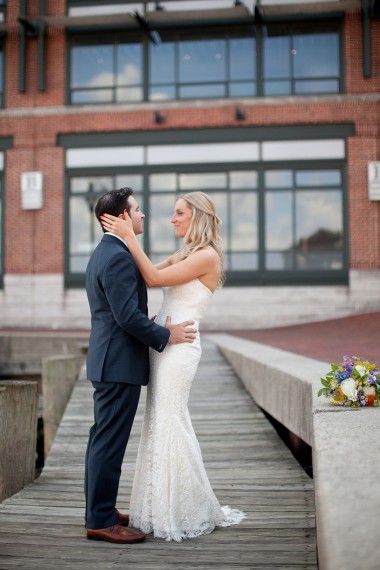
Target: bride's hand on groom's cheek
x=121, y=226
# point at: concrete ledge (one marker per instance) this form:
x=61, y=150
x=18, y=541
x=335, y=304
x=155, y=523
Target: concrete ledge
x=345, y=442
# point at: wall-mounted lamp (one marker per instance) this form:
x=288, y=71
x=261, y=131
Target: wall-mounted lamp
x=239, y=115
x=159, y=118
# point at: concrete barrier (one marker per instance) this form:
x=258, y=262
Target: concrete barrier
x=18, y=434
x=345, y=442
x=59, y=374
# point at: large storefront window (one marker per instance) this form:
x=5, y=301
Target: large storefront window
x=282, y=203
x=205, y=64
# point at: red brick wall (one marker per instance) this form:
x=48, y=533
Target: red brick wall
x=34, y=239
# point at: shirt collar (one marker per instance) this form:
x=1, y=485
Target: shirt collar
x=118, y=237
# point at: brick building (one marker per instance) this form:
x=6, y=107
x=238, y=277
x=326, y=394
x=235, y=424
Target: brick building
x=273, y=109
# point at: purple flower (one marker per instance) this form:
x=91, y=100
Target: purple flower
x=346, y=358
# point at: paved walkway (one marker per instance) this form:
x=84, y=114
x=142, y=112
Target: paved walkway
x=328, y=341
x=249, y=467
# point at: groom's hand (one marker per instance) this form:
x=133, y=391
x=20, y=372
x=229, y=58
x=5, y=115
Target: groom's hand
x=181, y=332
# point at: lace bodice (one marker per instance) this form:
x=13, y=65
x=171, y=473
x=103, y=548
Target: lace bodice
x=188, y=301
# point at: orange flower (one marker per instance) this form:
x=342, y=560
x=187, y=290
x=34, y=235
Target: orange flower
x=371, y=400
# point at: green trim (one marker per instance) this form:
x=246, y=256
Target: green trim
x=366, y=38
x=280, y=278
x=22, y=50
x=241, y=134
x=6, y=143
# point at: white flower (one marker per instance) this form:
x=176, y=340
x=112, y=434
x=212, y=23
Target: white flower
x=369, y=390
x=348, y=387
x=361, y=370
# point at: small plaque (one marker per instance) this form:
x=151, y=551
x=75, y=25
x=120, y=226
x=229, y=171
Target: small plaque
x=374, y=180
x=31, y=191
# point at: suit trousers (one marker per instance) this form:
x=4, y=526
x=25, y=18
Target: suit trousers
x=115, y=405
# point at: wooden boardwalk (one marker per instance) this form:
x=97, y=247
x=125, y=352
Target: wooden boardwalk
x=249, y=467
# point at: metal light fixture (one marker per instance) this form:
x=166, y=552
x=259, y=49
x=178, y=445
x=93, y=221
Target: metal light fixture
x=239, y=115
x=159, y=118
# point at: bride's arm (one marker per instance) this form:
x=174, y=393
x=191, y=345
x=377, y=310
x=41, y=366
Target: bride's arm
x=194, y=266
x=165, y=263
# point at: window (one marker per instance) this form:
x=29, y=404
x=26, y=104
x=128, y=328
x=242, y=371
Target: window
x=301, y=64
x=1, y=76
x=303, y=220
x=235, y=195
x=2, y=10
x=202, y=68
x=84, y=230
x=106, y=73
x=237, y=62
x=284, y=217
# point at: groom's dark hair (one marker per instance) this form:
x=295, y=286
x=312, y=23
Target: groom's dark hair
x=113, y=202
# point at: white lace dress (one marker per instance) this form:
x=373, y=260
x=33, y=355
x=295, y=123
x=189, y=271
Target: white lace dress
x=171, y=495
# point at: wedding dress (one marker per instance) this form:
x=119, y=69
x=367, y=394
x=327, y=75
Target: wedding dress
x=171, y=495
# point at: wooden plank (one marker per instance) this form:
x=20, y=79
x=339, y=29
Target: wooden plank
x=249, y=468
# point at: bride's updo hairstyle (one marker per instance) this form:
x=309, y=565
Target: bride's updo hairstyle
x=204, y=227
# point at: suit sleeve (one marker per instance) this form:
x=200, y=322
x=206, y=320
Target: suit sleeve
x=120, y=286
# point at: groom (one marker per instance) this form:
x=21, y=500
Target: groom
x=117, y=365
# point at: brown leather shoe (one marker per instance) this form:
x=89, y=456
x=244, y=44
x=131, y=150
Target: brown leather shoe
x=115, y=533
x=122, y=519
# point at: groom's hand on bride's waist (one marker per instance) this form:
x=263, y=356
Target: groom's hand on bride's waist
x=182, y=332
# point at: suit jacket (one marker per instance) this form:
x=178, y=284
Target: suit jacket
x=121, y=331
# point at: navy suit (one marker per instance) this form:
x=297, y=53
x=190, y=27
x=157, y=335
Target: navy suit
x=117, y=365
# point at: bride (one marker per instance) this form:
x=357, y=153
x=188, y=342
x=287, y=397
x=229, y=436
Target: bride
x=171, y=495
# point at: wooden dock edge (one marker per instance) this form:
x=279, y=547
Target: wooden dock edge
x=346, y=456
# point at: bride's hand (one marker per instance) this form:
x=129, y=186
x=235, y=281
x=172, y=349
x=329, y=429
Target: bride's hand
x=122, y=227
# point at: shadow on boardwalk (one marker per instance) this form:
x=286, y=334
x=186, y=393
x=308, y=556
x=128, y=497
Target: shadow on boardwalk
x=248, y=465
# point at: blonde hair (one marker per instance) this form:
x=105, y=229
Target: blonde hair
x=204, y=228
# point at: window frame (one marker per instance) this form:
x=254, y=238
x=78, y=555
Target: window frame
x=333, y=24
x=238, y=277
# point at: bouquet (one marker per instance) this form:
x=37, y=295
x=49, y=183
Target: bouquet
x=355, y=382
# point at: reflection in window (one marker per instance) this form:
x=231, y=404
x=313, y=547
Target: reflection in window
x=219, y=67
x=202, y=181
x=84, y=230
x=287, y=220
x=186, y=65
x=110, y=73
x=162, y=238
x=304, y=225
x=300, y=64
x=237, y=206
x=319, y=230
